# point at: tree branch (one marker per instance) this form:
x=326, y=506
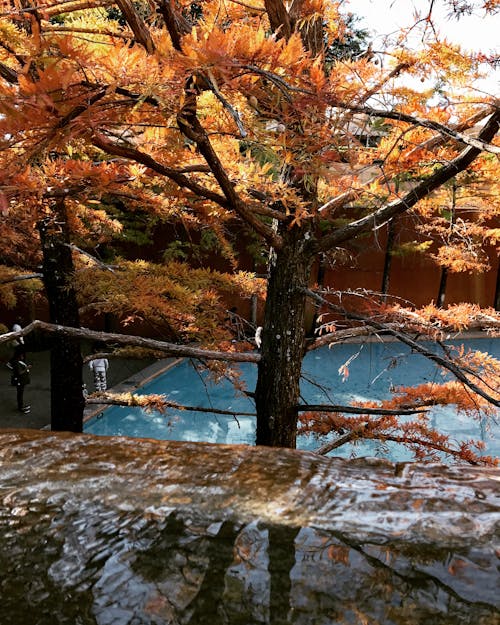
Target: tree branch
x=176, y=23
x=8, y=73
x=137, y=25
x=134, y=154
x=358, y=433
x=446, y=363
x=95, y=260
x=278, y=18
x=358, y=410
x=123, y=339
x=191, y=127
x=132, y=400
x=378, y=218
x=31, y=276
x=443, y=130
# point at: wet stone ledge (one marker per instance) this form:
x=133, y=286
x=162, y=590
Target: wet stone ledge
x=119, y=531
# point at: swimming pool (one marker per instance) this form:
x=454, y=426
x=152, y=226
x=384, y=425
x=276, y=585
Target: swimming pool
x=373, y=371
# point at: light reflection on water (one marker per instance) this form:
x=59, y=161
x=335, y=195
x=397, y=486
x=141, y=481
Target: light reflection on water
x=377, y=368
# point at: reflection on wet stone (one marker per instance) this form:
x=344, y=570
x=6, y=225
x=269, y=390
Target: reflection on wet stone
x=127, y=532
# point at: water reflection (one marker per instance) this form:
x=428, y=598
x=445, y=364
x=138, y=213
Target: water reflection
x=123, y=542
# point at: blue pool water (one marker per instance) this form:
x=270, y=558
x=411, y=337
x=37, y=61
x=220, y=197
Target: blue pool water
x=375, y=368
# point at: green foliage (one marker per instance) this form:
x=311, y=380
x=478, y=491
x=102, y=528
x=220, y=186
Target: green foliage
x=352, y=46
x=411, y=247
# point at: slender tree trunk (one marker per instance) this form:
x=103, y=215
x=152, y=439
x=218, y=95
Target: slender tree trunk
x=283, y=342
x=442, y=287
x=67, y=402
x=444, y=271
x=496, y=302
x=386, y=275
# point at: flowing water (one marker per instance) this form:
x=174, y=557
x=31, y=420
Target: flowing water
x=122, y=531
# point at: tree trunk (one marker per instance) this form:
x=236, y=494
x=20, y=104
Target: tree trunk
x=496, y=302
x=283, y=343
x=67, y=402
x=389, y=249
x=442, y=287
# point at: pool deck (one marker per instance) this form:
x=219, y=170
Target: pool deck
x=123, y=376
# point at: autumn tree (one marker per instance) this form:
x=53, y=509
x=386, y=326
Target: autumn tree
x=240, y=115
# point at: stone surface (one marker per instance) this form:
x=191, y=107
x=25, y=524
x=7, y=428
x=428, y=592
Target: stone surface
x=126, y=531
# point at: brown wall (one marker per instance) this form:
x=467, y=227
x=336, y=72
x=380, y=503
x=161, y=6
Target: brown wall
x=413, y=277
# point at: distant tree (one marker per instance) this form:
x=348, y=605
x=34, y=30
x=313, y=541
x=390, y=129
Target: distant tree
x=233, y=119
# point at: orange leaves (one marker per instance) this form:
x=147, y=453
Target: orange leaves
x=190, y=302
x=462, y=258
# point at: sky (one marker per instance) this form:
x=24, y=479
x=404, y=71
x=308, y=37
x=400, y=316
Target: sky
x=475, y=32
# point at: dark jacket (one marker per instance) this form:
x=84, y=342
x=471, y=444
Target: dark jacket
x=20, y=373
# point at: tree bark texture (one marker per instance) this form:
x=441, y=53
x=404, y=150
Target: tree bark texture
x=283, y=343
x=67, y=402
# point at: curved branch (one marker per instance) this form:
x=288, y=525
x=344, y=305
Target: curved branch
x=443, y=130
x=125, y=339
x=190, y=126
x=446, y=363
x=134, y=154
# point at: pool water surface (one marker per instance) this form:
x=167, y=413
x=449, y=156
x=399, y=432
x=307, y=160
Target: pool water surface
x=374, y=369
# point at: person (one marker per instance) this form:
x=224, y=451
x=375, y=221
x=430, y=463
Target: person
x=99, y=366
x=20, y=377
x=16, y=328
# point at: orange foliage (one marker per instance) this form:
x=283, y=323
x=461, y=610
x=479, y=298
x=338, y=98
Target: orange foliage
x=232, y=123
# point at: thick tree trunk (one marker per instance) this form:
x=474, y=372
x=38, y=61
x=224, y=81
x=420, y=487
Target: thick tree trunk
x=283, y=341
x=67, y=402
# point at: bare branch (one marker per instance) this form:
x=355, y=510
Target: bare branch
x=339, y=336
x=404, y=440
x=460, y=127
x=123, y=339
x=134, y=400
x=338, y=442
x=92, y=258
x=358, y=410
x=30, y=276
x=446, y=131
x=137, y=25
x=69, y=6
x=48, y=28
